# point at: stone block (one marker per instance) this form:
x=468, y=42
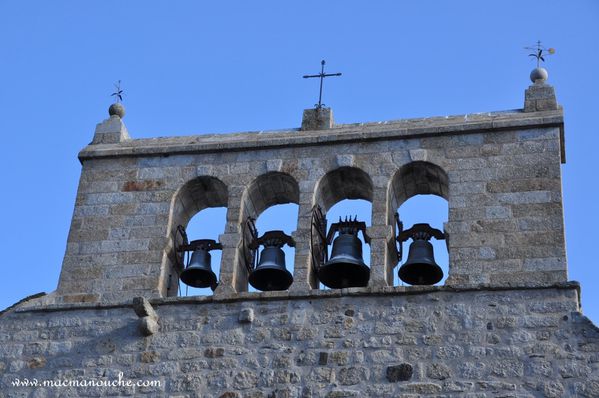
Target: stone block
x=544, y=264
x=418, y=155
x=110, y=131
x=540, y=97
x=525, y=197
x=274, y=165
x=317, y=119
x=142, y=307
x=246, y=315
x=402, y=372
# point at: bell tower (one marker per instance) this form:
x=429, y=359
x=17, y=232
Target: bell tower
x=499, y=172
x=506, y=321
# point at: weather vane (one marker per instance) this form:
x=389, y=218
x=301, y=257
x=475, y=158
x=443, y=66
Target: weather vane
x=540, y=52
x=321, y=75
x=118, y=94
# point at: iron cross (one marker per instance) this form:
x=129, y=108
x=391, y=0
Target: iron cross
x=322, y=75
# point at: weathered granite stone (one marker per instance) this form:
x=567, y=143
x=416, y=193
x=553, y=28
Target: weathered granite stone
x=317, y=119
x=438, y=371
x=540, y=97
x=401, y=372
x=142, y=307
x=111, y=131
x=246, y=315
x=148, y=326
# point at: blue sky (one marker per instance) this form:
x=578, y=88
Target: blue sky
x=191, y=67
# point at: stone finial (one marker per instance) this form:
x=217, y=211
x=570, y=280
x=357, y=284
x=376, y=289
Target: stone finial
x=539, y=52
x=317, y=119
x=540, y=96
x=539, y=75
x=117, y=109
x=112, y=130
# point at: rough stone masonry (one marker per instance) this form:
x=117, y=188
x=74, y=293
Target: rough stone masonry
x=507, y=322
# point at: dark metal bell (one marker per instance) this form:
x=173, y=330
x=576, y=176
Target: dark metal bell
x=346, y=268
x=420, y=268
x=199, y=272
x=270, y=273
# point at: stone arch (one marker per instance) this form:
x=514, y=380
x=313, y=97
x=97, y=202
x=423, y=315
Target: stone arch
x=193, y=196
x=416, y=178
x=196, y=195
x=343, y=183
x=272, y=188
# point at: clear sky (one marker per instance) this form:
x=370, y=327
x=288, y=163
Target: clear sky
x=191, y=67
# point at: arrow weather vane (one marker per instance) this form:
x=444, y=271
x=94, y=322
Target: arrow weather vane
x=321, y=75
x=118, y=94
x=539, y=52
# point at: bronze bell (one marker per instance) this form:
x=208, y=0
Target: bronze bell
x=420, y=268
x=199, y=272
x=271, y=273
x=346, y=268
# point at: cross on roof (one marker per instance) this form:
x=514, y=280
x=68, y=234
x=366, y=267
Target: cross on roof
x=321, y=75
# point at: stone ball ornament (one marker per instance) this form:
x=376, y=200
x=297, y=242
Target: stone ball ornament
x=539, y=74
x=117, y=109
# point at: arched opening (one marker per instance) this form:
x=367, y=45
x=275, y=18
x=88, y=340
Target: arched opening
x=432, y=210
x=271, y=200
x=282, y=218
x=418, y=193
x=207, y=224
x=202, y=193
x=343, y=183
x=359, y=209
x=343, y=193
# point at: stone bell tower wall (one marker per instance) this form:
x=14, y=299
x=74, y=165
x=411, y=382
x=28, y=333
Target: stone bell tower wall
x=507, y=323
x=500, y=173
x=423, y=342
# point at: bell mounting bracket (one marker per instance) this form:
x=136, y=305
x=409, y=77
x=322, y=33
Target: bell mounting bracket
x=249, y=234
x=205, y=244
x=251, y=242
x=348, y=226
x=272, y=239
x=318, y=237
x=179, y=240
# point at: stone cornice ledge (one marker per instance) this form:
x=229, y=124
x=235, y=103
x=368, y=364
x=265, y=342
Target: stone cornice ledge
x=398, y=129
x=301, y=295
